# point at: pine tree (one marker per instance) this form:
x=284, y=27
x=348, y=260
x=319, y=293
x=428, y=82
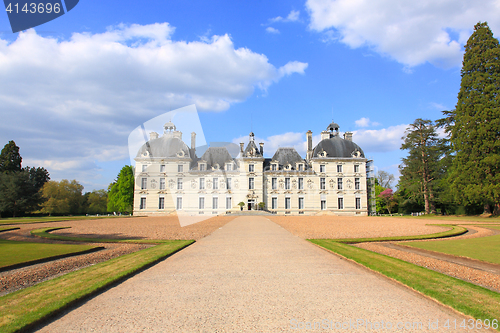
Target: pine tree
x=10, y=159
x=475, y=125
x=421, y=170
x=121, y=192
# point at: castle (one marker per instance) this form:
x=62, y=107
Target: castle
x=170, y=177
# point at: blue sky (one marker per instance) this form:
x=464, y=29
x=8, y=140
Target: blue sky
x=73, y=89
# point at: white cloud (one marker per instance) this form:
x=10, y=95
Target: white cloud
x=438, y=106
x=292, y=17
x=411, y=32
x=78, y=99
x=381, y=140
x=272, y=30
x=292, y=67
x=365, y=122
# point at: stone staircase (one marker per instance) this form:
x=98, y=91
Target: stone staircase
x=250, y=212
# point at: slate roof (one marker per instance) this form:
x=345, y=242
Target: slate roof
x=164, y=147
x=286, y=156
x=337, y=147
x=216, y=155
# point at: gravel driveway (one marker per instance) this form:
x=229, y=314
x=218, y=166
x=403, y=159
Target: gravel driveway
x=251, y=275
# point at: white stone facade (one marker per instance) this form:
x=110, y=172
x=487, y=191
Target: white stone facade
x=171, y=178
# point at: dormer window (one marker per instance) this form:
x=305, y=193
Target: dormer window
x=274, y=167
x=229, y=167
x=251, y=168
x=300, y=167
x=322, y=168
x=339, y=168
x=288, y=167
x=202, y=166
x=215, y=167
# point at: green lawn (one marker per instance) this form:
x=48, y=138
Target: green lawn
x=2, y=229
x=14, y=253
x=483, y=248
x=24, y=220
x=472, y=300
x=23, y=308
x=495, y=219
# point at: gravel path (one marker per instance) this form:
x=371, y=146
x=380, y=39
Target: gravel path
x=481, y=273
x=251, y=275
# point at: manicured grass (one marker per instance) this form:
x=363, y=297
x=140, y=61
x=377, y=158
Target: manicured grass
x=495, y=219
x=23, y=308
x=8, y=229
x=483, y=248
x=14, y=253
x=45, y=233
x=454, y=231
x=43, y=219
x=494, y=226
x=472, y=300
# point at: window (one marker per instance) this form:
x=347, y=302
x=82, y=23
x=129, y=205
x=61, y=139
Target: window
x=274, y=183
x=287, y=203
x=339, y=184
x=162, y=168
x=202, y=166
x=229, y=167
x=301, y=203
x=274, y=167
x=229, y=183
x=180, y=168
x=202, y=183
x=274, y=203
x=179, y=183
x=356, y=168
x=341, y=203
x=144, y=168
x=358, y=203
x=322, y=183
x=144, y=183
x=287, y=183
x=301, y=167
x=216, y=183
x=339, y=168
x=323, y=204
x=251, y=184
x=143, y=203
x=201, y=203
x=228, y=203
x=322, y=168
x=161, y=203
x=179, y=203
x=301, y=183
x=162, y=183
x=251, y=168
x=356, y=184
x=215, y=203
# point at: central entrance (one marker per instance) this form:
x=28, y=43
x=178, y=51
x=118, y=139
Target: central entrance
x=251, y=204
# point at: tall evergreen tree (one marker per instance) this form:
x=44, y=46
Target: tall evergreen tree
x=121, y=192
x=421, y=170
x=10, y=159
x=475, y=123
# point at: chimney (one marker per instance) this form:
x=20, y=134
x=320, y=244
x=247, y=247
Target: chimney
x=241, y=148
x=348, y=136
x=153, y=135
x=193, y=141
x=309, y=135
x=325, y=135
x=261, y=144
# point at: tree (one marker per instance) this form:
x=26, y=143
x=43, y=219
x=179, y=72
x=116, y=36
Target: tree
x=97, y=202
x=62, y=197
x=388, y=200
x=385, y=179
x=474, y=125
x=121, y=192
x=10, y=159
x=421, y=170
